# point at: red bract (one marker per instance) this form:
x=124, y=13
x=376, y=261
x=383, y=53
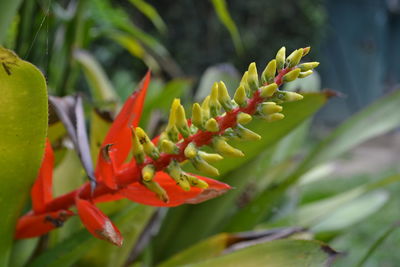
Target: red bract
x=41, y=192
x=177, y=196
x=97, y=223
x=32, y=225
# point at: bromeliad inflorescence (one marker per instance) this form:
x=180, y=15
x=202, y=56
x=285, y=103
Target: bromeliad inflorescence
x=153, y=176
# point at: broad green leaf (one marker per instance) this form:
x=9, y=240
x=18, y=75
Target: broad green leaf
x=277, y=253
x=226, y=19
x=23, y=120
x=151, y=13
x=101, y=87
x=131, y=224
x=328, y=213
x=208, y=248
x=22, y=251
x=77, y=245
x=8, y=10
x=295, y=113
x=380, y=117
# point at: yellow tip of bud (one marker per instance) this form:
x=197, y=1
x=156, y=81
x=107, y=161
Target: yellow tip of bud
x=175, y=104
x=148, y=172
x=223, y=96
x=274, y=117
x=246, y=134
x=194, y=181
x=200, y=164
x=222, y=147
x=280, y=58
x=270, y=108
x=268, y=74
x=213, y=102
x=306, y=50
x=190, y=151
x=240, y=96
x=305, y=74
x=174, y=170
x=268, y=90
x=157, y=189
x=205, y=107
x=291, y=76
x=148, y=146
x=197, y=116
x=168, y=147
x=210, y=157
x=181, y=122
x=243, y=118
x=212, y=125
x=308, y=66
x=137, y=148
x=244, y=83
x=294, y=58
x=252, y=77
x=292, y=96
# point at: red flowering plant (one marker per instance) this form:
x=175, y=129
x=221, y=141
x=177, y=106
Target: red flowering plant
x=153, y=174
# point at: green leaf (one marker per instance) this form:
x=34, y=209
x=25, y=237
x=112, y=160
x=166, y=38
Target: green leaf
x=23, y=119
x=277, y=253
x=226, y=19
x=8, y=10
x=101, y=87
x=380, y=117
x=151, y=13
x=295, y=113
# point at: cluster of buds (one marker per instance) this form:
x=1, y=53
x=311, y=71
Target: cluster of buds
x=153, y=176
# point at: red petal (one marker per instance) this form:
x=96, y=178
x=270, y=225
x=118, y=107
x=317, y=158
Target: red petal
x=140, y=194
x=41, y=192
x=120, y=133
x=106, y=167
x=32, y=225
x=97, y=223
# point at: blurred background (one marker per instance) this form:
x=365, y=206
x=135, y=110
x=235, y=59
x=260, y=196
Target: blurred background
x=92, y=46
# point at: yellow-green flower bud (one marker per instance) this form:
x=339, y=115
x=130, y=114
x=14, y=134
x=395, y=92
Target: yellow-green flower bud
x=190, y=151
x=200, y=164
x=294, y=58
x=245, y=134
x=285, y=96
x=171, y=130
x=206, y=108
x=274, y=117
x=270, y=108
x=148, y=146
x=243, y=118
x=148, y=172
x=268, y=90
x=223, y=96
x=252, y=77
x=222, y=147
x=181, y=122
x=306, y=50
x=291, y=75
x=157, y=189
x=194, y=181
x=174, y=170
x=308, y=66
x=212, y=125
x=269, y=72
x=305, y=74
x=214, y=103
x=244, y=83
x=169, y=147
x=280, y=58
x=197, y=116
x=240, y=96
x=137, y=148
x=210, y=157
